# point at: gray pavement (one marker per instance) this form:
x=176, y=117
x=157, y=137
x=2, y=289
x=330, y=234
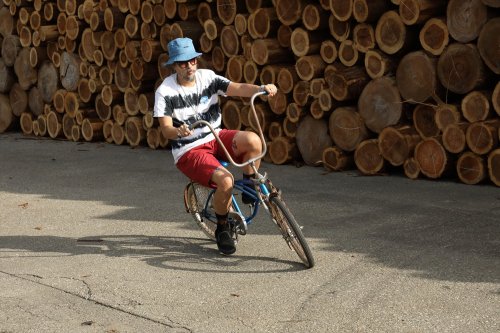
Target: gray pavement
x=94, y=238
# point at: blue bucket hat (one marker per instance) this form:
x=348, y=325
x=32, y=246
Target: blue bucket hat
x=181, y=49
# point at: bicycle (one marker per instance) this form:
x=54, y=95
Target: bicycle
x=198, y=199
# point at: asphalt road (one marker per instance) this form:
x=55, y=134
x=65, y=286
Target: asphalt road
x=94, y=238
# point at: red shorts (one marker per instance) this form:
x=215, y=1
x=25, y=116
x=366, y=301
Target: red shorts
x=199, y=163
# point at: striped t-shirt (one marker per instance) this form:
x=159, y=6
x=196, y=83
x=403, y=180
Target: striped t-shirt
x=189, y=104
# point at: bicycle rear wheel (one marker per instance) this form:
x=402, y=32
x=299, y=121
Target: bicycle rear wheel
x=196, y=199
x=291, y=230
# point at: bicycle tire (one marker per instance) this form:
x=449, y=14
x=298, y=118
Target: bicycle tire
x=197, y=196
x=291, y=230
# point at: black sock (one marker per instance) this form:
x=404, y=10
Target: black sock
x=221, y=219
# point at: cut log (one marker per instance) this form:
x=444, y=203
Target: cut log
x=278, y=103
x=295, y=112
x=7, y=77
x=92, y=129
x=264, y=116
x=348, y=53
x=325, y=100
x=263, y=23
x=67, y=125
x=368, y=158
x=419, y=11
x=290, y=128
x=153, y=138
x=275, y=130
x=301, y=92
x=289, y=11
x=476, y=106
x=368, y=10
x=269, y=74
x=328, y=51
x=446, y=114
x=317, y=85
x=26, y=121
x=229, y=41
x=397, y=144
x=471, y=168
x=54, y=124
x=219, y=59
x=364, y=37
x=69, y=71
x=492, y=3
x=312, y=139
x=267, y=51
x=453, y=137
x=315, y=109
x=6, y=116
x=103, y=111
x=347, y=128
x=416, y=77
x=390, y=33
x=305, y=42
x=282, y=150
x=284, y=35
x=35, y=101
x=432, y=158
x=495, y=98
x=314, y=17
x=378, y=64
x=118, y=134
x=287, y=79
x=309, y=67
x=434, y=36
x=48, y=81
x=411, y=168
x=240, y=23
x=494, y=166
x=424, y=121
x=231, y=114
x=340, y=30
x=76, y=133
x=460, y=68
x=345, y=83
x=341, y=9
x=336, y=159
x=18, y=100
x=482, y=137
x=488, y=38
x=465, y=19
x=42, y=125
x=227, y=10
x=380, y=104
x=26, y=75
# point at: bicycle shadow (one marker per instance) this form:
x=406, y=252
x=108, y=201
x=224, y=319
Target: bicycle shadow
x=179, y=253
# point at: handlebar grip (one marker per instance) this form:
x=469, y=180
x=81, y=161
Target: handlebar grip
x=177, y=123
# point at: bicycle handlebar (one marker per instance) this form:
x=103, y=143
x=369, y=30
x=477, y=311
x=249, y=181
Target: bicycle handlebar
x=230, y=159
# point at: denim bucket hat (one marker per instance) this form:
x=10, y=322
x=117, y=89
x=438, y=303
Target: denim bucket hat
x=181, y=49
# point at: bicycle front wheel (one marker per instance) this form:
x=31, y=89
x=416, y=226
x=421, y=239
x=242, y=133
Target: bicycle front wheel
x=196, y=199
x=291, y=230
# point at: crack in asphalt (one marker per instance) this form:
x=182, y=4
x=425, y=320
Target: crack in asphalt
x=89, y=298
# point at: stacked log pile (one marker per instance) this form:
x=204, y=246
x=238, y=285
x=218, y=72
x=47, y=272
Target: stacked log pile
x=363, y=84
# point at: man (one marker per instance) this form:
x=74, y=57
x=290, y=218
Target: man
x=191, y=94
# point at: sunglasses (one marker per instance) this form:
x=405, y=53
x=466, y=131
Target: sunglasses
x=184, y=64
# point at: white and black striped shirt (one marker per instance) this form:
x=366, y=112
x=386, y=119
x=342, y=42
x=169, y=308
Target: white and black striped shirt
x=189, y=104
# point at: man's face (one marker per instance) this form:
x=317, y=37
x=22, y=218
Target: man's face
x=186, y=69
